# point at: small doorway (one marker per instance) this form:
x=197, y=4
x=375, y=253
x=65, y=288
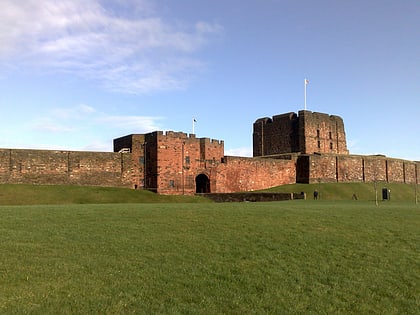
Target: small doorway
x=202, y=184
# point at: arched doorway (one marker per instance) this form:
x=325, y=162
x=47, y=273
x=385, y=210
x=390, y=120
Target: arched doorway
x=202, y=184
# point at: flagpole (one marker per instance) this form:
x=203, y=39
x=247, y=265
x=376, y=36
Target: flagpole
x=193, y=125
x=305, y=83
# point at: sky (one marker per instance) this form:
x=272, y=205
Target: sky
x=75, y=74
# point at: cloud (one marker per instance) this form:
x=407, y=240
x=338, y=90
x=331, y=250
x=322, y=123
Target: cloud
x=120, y=44
x=244, y=152
x=83, y=117
x=49, y=126
x=137, y=124
x=79, y=111
x=85, y=128
x=62, y=120
x=98, y=146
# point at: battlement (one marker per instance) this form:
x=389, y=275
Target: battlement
x=211, y=141
x=318, y=117
x=288, y=116
x=181, y=135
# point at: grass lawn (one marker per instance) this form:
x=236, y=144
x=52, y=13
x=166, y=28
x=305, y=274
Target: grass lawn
x=345, y=191
x=298, y=257
x=23, y=194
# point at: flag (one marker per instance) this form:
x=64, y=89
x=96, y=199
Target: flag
x=194, y=120
x=306, y=81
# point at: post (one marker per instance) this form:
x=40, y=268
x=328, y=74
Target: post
x=193, y=125
x=182, y=167
x=415, y=184
x=144, y=165
x=306, y=82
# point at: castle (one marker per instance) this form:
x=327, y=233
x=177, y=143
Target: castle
x=290, y=148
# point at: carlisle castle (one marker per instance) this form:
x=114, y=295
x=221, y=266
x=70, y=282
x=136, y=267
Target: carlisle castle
x=303, y=147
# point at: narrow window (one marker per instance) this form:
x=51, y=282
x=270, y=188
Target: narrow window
x=171, y=183
x=330, y=134
x=319, y=144
x=331, y=146
x=317, y=133
x=187, y=160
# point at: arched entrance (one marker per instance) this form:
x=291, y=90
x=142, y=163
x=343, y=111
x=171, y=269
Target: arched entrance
x=202, y=184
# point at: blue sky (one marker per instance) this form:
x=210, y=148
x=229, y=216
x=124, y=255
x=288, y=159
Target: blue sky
x=75, y=74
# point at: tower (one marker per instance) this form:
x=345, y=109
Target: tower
x=306, y=133
x=172, y=162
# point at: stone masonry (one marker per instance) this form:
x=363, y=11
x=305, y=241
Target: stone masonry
x=289, y=148
x=305, y=133
x=65, y=167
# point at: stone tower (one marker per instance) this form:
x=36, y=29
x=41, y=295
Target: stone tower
x=172, y=162
x=304, y=133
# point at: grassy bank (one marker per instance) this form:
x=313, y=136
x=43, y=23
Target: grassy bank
x=299, y=257
x=56, y=194
x=345, y=191
x=62, y=194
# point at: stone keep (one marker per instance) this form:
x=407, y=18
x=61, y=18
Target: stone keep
x=304, y=133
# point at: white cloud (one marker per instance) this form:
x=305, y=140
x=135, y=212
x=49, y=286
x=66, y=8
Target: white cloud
x=244, y=152
x=50, y=126
x=62, y=120
x=130, y=51
x=84, y=128
x=98, y=146
x=84, y=117
x=136, y=124
x=79, y=111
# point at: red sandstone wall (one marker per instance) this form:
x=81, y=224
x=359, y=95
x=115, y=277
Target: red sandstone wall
x=350, y=168
x=395, y=171
x=358, y=168
x=172, y=152
x=175, y=162
x=307, y=133
x=248, y=174
x=136, y=143
x=275, y=135
x=321, y=133
x=181, y=158
x=375, y=169
x=64, y=167
x=323, y=168
x=211, y=150
x=412, y=172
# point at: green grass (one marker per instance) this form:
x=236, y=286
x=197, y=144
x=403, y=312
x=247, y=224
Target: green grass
x=345, y=191
x=62, y=194
x=56, y=194
x=298, y=257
